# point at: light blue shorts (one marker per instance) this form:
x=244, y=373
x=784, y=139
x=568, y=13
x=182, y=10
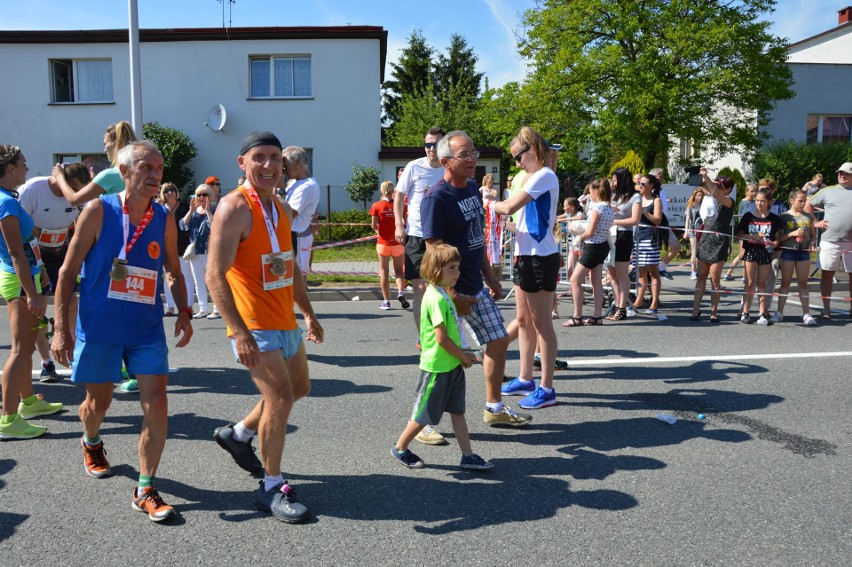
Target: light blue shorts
x=98, y=363
x=287, y=341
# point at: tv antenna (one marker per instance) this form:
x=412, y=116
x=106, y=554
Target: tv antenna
x=229, y=3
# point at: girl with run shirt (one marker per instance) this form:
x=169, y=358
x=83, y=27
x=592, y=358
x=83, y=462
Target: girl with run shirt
x=760, y=230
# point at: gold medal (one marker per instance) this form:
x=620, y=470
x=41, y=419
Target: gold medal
x=119, y=271
x=276, y=264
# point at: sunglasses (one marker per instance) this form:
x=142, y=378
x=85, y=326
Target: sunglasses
x=465, y=156
x=429, y=145
x=521, y=153
x=44, y=322
x=167, y=191
x=643, y=184
x=218, y=183
x=197, y=195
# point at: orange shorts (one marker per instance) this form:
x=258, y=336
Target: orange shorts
x=385, y=250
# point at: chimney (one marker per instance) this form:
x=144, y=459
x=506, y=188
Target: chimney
x=844, y=15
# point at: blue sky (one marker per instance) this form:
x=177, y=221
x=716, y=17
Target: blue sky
x=488, y=25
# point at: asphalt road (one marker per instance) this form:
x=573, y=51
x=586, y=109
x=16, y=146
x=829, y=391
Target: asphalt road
x=763, y=479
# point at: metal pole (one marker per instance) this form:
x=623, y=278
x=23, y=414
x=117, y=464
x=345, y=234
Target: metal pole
x=135, y=76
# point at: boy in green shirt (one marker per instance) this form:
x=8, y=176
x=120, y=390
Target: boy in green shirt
x=441, y=387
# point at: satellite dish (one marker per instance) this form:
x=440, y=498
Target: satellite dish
x=216, y=118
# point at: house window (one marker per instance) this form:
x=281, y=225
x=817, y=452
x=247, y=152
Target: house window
x=81, y=80
x=825, y=129
x=689, y=149
x=280, y=76
x=95, y=163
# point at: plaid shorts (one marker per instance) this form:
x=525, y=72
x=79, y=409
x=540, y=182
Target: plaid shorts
x=485, y=319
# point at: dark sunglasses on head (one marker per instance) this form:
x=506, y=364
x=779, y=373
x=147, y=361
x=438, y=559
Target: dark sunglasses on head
x=429, y=145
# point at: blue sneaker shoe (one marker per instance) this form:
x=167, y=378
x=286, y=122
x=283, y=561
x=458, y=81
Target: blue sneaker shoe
x=517, y=388
x=539, y=399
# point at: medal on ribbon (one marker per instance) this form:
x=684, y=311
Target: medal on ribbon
x=276, y=264
x=119, y=270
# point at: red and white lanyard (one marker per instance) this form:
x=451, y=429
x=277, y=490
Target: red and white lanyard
x=143, y=224
x=271, y=225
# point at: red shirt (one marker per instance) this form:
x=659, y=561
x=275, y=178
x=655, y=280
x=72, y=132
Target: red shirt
x=383, y=210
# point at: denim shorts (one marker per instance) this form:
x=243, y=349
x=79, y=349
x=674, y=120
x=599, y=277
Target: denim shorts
x=795, y=255
x=287, y=341
x=98, y=363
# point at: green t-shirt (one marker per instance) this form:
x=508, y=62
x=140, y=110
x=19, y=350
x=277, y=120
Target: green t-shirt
x=110, y=181
x=434, y=311
x=516, y=186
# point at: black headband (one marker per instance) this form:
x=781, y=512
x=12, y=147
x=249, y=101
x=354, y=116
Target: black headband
x=259, y=139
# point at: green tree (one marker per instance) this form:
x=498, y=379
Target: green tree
x=638, y=74
x=363, y=184
x=457, y=70
x=177, y=149
x=449, y=110
x=410, y=75
x=738, y=178
x=631, y=161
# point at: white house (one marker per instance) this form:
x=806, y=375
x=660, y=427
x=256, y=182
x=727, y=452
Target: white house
x=821, y=110
x=317, y=87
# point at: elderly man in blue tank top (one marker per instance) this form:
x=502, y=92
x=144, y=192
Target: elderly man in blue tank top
x=122, y=243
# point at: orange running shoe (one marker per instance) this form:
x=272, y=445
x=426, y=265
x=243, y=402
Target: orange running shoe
x=96, y=463
x=149, y=501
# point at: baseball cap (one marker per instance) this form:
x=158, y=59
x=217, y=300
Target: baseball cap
x=845, y=168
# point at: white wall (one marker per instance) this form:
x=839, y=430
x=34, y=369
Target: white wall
x=833, y=47
x=182, y=81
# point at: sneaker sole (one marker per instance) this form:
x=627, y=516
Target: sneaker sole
x=477, y=467
x=50, y=379
x=98, y=475
x=518, y=393
x=520, y=423
x=168, y=515
x=546, y=404
x=286, y=520
x=22, y=437
x=441, y=441
x=38, y=414
x=253, y=472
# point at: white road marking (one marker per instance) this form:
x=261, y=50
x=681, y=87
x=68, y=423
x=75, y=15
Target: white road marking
x=653, y=360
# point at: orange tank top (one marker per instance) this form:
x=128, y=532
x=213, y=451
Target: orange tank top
x=270, y=310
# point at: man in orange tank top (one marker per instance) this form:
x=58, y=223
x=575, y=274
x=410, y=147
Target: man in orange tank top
x=252, y=273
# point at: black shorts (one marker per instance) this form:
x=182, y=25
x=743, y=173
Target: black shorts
x=594, y=254
x=53, y=258
x=623, y=245
x=415, y=247
x=536, y=273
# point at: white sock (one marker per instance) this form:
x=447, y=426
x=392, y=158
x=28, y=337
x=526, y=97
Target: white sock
x=494, y=407
x=270, y=482
x=547, y=390
x=242, y=433
x=524, y=381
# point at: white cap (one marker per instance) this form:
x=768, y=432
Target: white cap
x=845, y=168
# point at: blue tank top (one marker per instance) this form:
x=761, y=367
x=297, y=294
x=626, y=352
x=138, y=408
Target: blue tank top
x=104, y=320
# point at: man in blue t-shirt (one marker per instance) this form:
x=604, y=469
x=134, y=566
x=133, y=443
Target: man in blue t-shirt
x=452, y=212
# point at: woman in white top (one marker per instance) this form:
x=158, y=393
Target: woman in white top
x=534, y=206
x=595, y=251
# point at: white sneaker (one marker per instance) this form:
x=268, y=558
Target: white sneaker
x=693, y=276
x=764, y=321
x=200, y=315
x=631, y=312
x=777, y=317
x=809, y=320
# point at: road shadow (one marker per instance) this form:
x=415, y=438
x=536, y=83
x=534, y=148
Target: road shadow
x=365, y=361
x=9, y=521
x=697, y=372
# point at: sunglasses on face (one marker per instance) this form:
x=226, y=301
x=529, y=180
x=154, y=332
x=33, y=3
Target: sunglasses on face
x=199, y=195
x=429, y=145
x=217, y=183
x=643, y=184
x=520, y=154
x=167, y=191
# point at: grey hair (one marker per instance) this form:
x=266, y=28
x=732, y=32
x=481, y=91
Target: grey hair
x=132, y=152
x=657, y=172
x=444, y=144
x=298, y=153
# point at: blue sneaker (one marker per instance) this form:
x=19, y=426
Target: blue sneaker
x=517, y=388
x=539, y=399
